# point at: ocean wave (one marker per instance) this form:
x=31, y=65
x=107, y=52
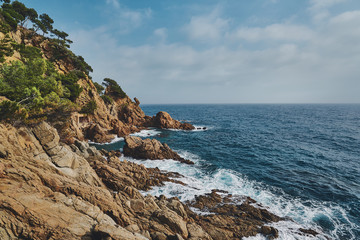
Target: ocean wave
x=115, y=140
x=304, y=214
x=146, y=133
x=143, y=134
x=200, y=128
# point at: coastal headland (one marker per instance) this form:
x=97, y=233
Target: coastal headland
x=54, y=185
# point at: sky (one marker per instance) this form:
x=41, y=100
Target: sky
x=212, y=51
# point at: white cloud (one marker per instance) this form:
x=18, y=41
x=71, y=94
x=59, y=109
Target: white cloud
x=282, y=32
x=319, y=8
x=207, y=27
x=161, y=34
x=321, y=4
x=113, y=3
x=124, y=19
x=303, y=64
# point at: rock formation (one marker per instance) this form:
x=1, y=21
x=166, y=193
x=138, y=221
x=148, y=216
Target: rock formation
x=118, y=118
x=150, y=149
x=164, y=120
x=49, y=190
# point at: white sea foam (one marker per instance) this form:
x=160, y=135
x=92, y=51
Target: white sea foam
x=199, y=182
x=146, y=133
x=116, y=139
x=143, y=133
x=199, y=128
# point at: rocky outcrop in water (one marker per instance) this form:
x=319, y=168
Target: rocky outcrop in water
x=164, y=120
x=150, y=149
x=228, y=220
x=49, y=190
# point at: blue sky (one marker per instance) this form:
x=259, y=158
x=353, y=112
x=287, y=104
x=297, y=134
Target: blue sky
x=208, y=51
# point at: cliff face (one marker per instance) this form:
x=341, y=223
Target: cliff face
x=50, y=190
x=119, y=118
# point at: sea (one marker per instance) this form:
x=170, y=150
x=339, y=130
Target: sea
x=301, y=162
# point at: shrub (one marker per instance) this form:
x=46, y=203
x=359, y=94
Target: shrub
x=89, y=108
x=70, y=82
x=99, y=88
x=113, y=88
x=107, y=99
x=36, y=87
x=8, y=109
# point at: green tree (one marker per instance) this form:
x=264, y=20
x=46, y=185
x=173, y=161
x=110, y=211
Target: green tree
x=36, y=87
x=113, y=89
x=99, y=88
x=46, y=23
x=26, y=13
x=89, y=108
x=107, y=99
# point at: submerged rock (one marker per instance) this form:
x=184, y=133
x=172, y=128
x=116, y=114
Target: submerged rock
x=150, y=149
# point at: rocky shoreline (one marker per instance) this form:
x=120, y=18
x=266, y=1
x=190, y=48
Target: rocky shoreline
x=50, y=190
x=53, y=185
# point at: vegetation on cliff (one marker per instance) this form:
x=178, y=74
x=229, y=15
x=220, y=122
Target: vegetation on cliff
x=42, y=79
x=39, y=74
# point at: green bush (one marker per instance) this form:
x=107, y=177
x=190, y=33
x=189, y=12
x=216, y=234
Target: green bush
x=89, y=108
x=36, y=86
x=107, y=99
x=113, y=88
x=99, y=88
x=70, y=82
x=8, y=110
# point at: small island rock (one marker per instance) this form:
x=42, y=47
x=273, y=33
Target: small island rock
x=150, y=149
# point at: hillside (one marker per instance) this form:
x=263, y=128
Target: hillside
x=61, y=90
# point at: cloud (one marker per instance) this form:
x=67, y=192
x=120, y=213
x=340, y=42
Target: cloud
x=124, y=19
x=315, y=63
x=113, y=3
x=278, y=32
x=319, y=8
x=207, y=27
x=321, y=4
x=161, y=34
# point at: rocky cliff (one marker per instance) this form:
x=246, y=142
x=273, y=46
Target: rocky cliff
x=50, y=190
x=120, y=117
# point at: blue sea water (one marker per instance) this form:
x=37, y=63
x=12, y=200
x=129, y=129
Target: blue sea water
x=298, y=161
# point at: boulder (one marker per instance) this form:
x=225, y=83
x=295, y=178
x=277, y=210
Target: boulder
x=196, y=232
x=98, y=134
x=164, y=120
x=150, y=149
x=269, y=232
x=174, y=221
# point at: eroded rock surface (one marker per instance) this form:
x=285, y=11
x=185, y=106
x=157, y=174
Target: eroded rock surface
x=164, y=120
x=229, y=220
x=150, y=149
x=49, y=190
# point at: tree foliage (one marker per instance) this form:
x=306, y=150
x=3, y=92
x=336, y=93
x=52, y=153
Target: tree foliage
x=99, y=88
x=107, y=99
x=32, y=86
x=113, y=89
x=89, y=108
x=37, y=88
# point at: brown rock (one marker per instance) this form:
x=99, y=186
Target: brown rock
x=309, y=231
x=98, y=134
x=231, y=220
x=270, y=232
x=174, y=221
x=150, y=149
x=158, y=236
x=164, y=120
x=196, y=232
